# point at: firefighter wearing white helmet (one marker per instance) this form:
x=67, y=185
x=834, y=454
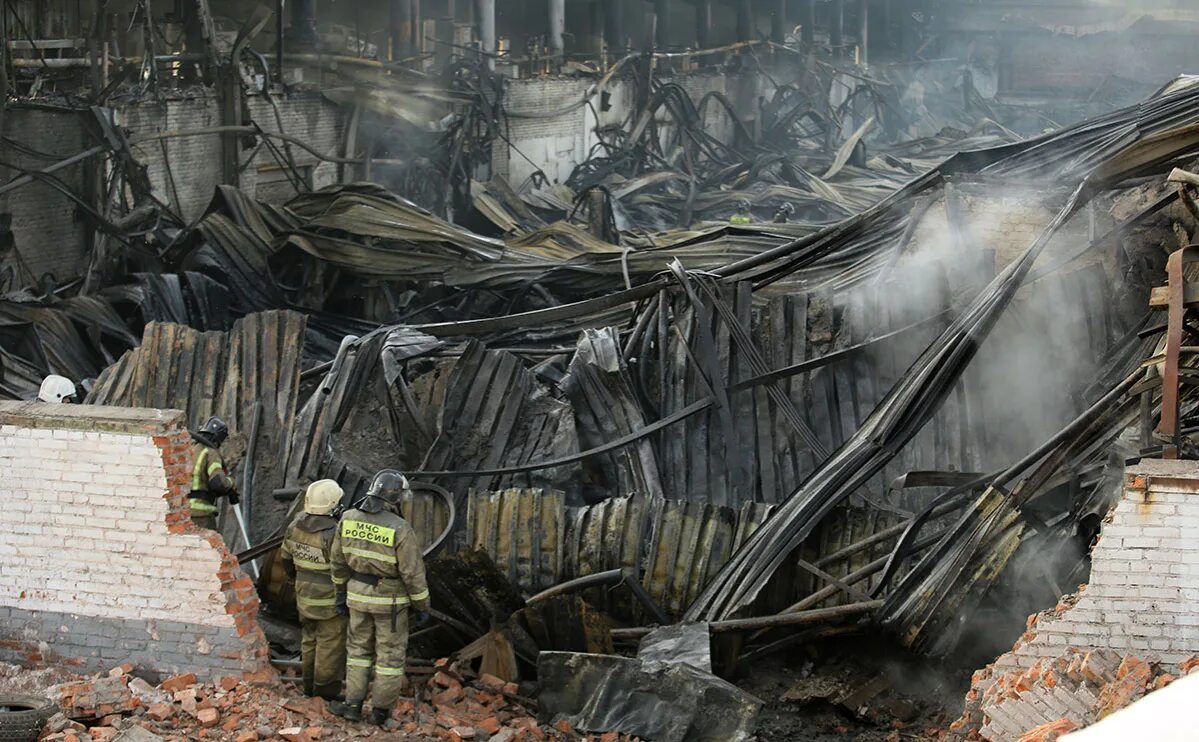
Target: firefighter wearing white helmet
x=56, y=390
x=305, y=553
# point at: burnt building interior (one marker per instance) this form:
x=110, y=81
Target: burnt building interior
x=829, y=327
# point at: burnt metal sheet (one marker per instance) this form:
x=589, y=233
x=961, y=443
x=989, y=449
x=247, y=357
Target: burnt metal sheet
x=254, y=368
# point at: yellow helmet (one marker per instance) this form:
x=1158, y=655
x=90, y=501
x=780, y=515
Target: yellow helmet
x=321, y=497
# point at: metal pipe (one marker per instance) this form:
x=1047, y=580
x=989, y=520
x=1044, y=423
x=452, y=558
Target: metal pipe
x=624, y=575
x=485, y=27
x=557, y=28
x=819, y=615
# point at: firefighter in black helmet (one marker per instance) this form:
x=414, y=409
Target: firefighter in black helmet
x=379, y=573
x=210, y=480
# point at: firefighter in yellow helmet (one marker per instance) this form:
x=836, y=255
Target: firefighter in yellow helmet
x=380, y=574
x=210, y=480
x=307, y=545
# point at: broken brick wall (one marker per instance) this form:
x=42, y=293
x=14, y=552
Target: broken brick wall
x=1130, y=630
x=99, y=561
x=1144, y=584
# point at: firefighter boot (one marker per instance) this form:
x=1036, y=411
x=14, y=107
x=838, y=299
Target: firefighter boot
x=379, y=716
x=348, y=710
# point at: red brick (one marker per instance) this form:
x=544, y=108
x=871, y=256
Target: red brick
x=120, y=670
x=178, y=682
x=102, y=733
x=229, y=682
x=491, y=725
x=160, y=711
x=564, y=726
x=449, y=696
x=250, y=736
x=208, y=717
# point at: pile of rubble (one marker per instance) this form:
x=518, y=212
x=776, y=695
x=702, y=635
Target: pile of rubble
x=1056, y=696
x=452, y=704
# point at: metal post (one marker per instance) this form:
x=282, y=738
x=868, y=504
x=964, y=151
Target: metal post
x=703, y=23
x=485, y=20
x=864, y=34
x=595, y=27
x=280, y=7
x=401, y=31
x=662, y=32
x=614, y=25
x=809, y=23
x=557, y=28
x=778, y=22
x=836, y=35
x=745, y=20
x=416, y=34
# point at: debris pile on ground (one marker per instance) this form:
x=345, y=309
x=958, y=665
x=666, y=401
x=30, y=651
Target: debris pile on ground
x=453, y=703
x=1056, y=696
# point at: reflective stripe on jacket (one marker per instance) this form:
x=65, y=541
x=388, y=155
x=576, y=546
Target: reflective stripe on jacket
x=379, y=545
x=307, y=544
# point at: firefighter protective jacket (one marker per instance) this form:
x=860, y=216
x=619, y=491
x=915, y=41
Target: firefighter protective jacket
x=377, y=558
x=308, y=545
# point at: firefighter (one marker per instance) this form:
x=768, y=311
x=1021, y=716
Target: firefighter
x=210, y=480
x=56, y=390
x=743, y=215
x=306, y=549
x=379, y=572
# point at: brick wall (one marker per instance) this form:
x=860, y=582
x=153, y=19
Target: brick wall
x=47, y=225
x=1098, y=650
x=1143, y=595
x=99, y=562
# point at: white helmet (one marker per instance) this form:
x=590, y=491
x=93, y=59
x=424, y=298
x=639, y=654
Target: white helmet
x=321, y=497
x=56, y=390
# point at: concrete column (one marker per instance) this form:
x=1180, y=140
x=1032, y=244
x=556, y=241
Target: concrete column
x=557, y=27
x=745, y=20
x=662, y=33
x=778, y=21
x=703, y=23
x=485, y=24
x=614, y=25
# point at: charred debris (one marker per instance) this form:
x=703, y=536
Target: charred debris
x=865, y=360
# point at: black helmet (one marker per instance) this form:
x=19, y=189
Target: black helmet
x=212, y=433
x=388, y=486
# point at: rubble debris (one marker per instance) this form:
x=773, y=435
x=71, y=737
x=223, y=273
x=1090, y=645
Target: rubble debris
x=1073, y=690
x=452, y=700
x=667, y=702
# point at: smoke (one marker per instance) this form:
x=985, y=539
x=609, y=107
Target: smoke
x=1025, y=382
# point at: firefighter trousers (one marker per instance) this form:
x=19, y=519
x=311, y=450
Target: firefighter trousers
x=323, y=655
x=372, y=643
